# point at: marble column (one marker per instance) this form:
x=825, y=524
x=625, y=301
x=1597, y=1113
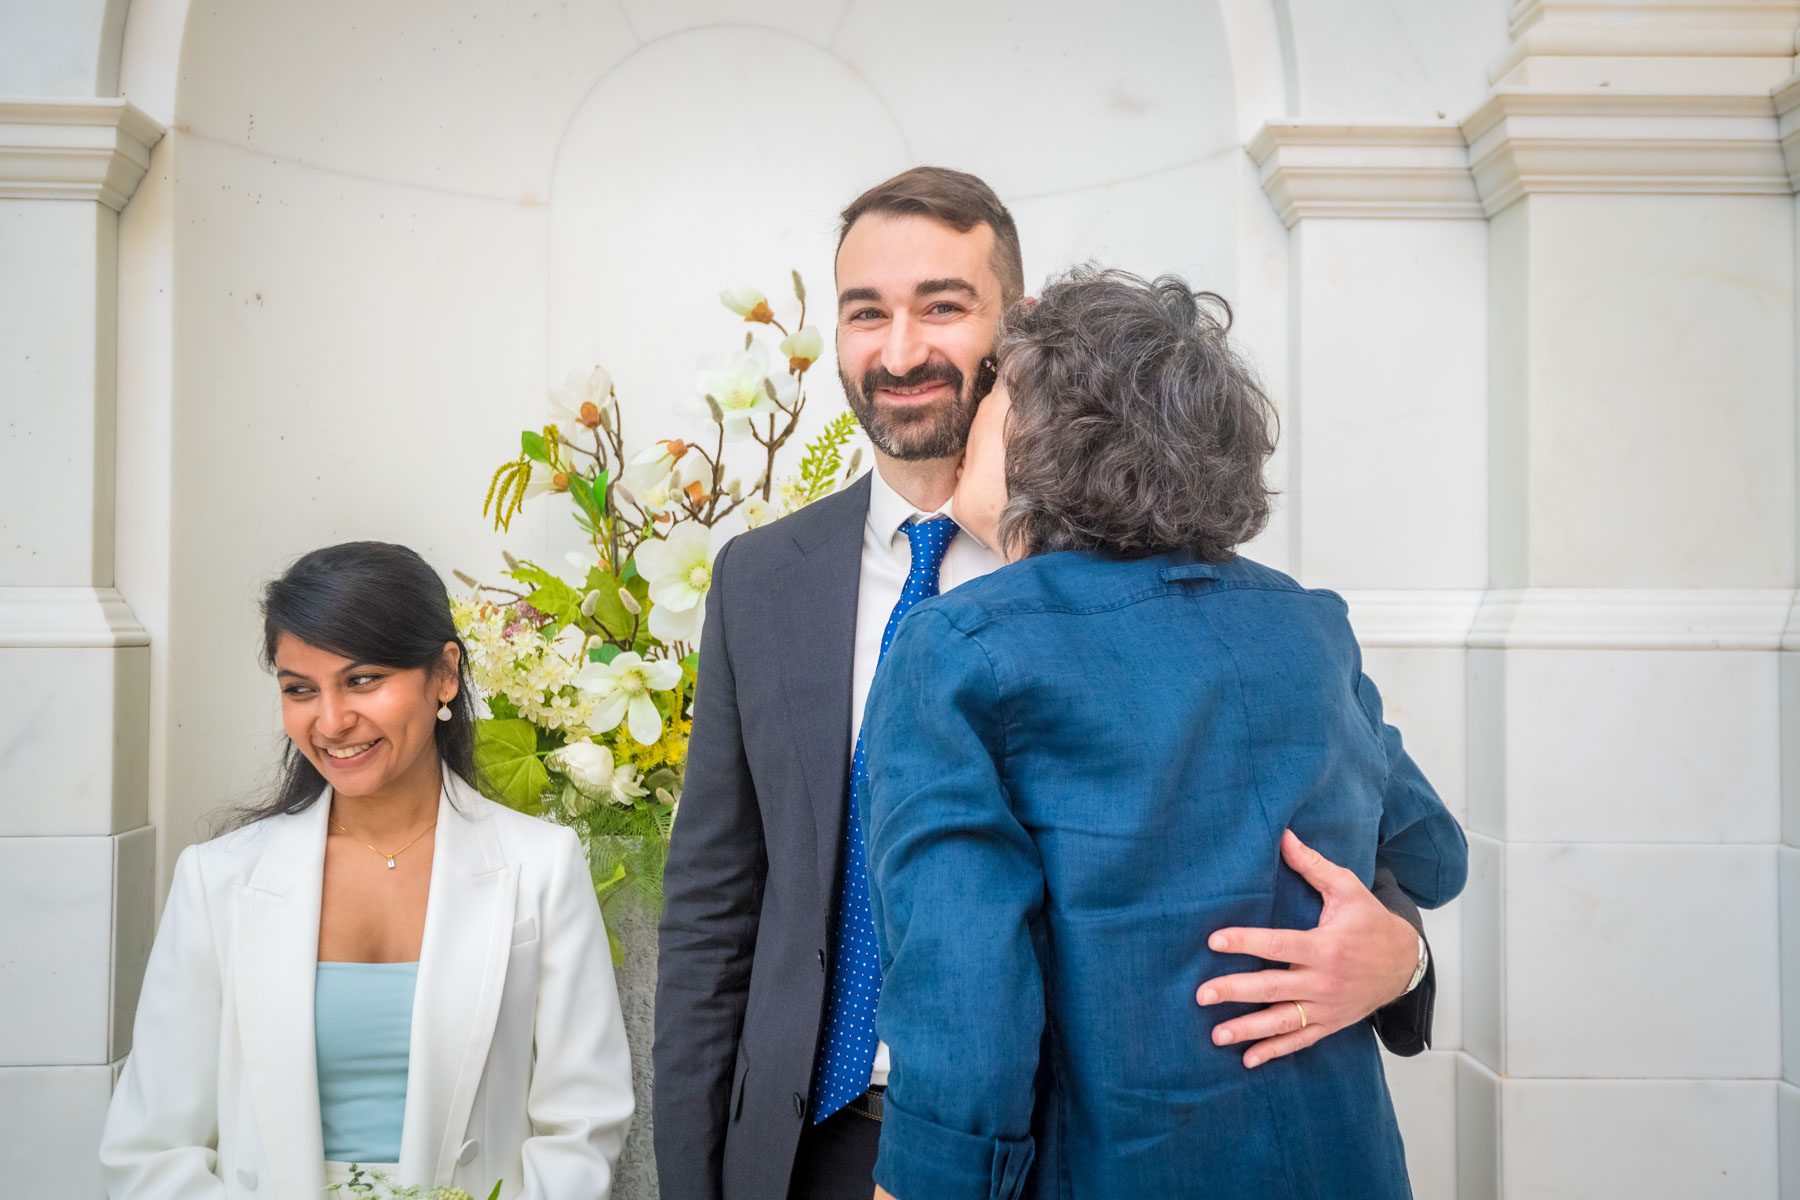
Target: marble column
x=1386, y=495
x=76, y=855
x=1621, y=945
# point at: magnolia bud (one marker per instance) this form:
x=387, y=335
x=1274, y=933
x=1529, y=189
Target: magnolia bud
x=630, y=602
x=663, y=795
x=855, y=462
x=512, y=564
x=735, y=489
x=589, y=603
x=465, y=580
x=625, y=495
x=718, y=414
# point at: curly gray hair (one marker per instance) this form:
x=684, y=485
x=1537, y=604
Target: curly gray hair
x=1135, y=428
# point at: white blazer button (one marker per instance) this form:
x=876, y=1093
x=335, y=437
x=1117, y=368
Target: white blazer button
x=247, y=1178
x=467, y=1154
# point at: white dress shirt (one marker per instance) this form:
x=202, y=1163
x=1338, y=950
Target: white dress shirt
x=886, y=560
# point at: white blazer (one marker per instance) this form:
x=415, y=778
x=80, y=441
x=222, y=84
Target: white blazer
x=519, y=1067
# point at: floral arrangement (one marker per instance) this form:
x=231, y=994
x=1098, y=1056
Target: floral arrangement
x=588, y=675
x=375, y=1185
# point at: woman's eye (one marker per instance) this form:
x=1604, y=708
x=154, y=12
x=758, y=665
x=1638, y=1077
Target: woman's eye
x=294, y=689
x=361, y=680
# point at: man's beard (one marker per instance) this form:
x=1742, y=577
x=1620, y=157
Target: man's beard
x=914, y=434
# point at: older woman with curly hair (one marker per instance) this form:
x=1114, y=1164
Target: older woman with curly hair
x=1081, y=760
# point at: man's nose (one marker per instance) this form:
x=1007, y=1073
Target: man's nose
x=905, y=349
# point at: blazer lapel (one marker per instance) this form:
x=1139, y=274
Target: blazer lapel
x=275, y=960
x=462, y=972
x=824, y=586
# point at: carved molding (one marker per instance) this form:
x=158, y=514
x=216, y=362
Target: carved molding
x=1633, y=619
x=1316, y=169
x=1526, y=140
x=1432, y=620
x=67, y=618
x=74, y=149
x=1649, y=29
x=1786, y=99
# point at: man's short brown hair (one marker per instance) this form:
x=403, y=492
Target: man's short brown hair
x=959, y=200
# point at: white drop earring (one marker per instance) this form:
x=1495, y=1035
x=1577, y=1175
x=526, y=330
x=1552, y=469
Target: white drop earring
x=444, y=711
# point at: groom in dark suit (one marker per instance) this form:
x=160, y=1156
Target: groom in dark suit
x=768, y=1072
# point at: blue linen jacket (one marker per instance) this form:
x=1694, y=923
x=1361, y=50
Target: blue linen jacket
x=1079, y=767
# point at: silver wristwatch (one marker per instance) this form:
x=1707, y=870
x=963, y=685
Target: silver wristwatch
x=1418, y=975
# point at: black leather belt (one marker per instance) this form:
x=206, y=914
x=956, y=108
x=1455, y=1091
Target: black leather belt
x=868, y=1104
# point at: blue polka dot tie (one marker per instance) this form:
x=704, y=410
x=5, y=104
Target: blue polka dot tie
x=847, y=1052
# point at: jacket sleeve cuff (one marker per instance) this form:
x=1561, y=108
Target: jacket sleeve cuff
x=920, y=1160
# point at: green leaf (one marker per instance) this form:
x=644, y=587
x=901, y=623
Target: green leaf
x=604, y=653
x=495, y=1194
x=506, y=757
x=825, y=457
x=588, y=497
x=533, y=445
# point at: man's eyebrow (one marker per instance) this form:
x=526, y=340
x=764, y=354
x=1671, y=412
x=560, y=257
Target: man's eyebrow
x=857, y=295
x=931, y=287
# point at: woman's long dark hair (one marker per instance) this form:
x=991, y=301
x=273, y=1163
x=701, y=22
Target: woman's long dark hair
x=371, y=602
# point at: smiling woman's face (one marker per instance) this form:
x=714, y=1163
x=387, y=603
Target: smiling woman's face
x=368, y=729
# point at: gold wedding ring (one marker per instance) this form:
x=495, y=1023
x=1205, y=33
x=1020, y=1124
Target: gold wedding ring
x=1301, y=1011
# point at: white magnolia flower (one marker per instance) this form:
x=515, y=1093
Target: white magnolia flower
x=748, y=303
x=653, y=463
x=671, y=625
x=583, y=561
x=623, y=688
x=803, y=348
x=546, y=478
x=678, y=568
x=757, y=511
x=666, y=493
x=579, y=400
x=591, y=769
x=741, y=390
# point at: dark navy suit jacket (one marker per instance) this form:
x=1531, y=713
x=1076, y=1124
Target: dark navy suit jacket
x=1079, y=767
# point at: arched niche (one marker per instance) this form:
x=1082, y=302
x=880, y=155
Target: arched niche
x=374, y=236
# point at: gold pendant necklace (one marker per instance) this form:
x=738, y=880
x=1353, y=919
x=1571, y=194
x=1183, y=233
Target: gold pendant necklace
x=384, y=854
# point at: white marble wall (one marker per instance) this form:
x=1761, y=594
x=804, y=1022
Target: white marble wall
x=77, y=859
x=1520, y=275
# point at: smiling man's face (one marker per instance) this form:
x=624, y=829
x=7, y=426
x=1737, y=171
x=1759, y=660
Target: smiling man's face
x=918, y=311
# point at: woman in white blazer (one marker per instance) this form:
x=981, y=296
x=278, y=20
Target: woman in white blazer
x=379, y=960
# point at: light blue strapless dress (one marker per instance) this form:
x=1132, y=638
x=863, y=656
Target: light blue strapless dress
x=362, y=1025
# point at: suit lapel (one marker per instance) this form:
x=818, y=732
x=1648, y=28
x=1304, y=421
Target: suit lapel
x=823, y=585
x=277, y=951
x=462, y=972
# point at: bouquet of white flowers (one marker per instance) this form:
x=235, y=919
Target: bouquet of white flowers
x=375, y=1185
x=588, y=675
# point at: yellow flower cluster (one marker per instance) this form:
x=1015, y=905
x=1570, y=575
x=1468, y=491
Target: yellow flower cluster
x=669, y=751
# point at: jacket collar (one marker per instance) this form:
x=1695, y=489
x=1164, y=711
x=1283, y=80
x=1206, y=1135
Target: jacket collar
x=462, y=967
